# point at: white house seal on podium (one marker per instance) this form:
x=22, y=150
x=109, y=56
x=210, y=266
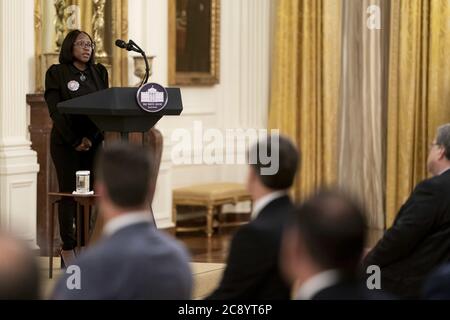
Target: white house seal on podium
x=152, y=97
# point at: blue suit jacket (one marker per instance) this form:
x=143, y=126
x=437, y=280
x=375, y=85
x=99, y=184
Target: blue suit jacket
x=437, y=286
x=136, y=262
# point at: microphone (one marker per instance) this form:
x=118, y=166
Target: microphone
x=132, y=46
x=121, y=44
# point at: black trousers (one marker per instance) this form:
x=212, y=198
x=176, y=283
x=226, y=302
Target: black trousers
x=67, y=162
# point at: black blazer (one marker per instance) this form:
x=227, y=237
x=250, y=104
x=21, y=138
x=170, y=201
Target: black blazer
x=418, y=241
x=70, y=129
x=252, y=270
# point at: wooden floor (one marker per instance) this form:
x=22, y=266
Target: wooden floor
x=202, y=249
x=215, y=250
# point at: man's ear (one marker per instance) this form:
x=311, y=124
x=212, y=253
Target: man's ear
x=290, y=253
x=441, y=153
x=251, y=173
x=250, y=176
x=100, y=188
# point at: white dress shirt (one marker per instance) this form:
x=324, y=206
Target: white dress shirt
x=261, y=203
x=443, y=171
x=125, y=220
x=316, y=284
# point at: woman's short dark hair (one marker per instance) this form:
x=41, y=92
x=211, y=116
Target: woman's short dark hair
x=66, y=54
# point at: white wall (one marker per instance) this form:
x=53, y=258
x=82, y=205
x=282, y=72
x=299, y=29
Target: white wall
x=239, y=101
x=18, y=163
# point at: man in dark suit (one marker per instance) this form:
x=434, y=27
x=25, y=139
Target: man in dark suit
x=133, y=260
x=322, y=250
x=419, y=239
x=252, y=270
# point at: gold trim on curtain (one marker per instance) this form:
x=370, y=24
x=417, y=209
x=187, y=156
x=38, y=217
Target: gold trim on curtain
x=305, y=86
x=419, y=92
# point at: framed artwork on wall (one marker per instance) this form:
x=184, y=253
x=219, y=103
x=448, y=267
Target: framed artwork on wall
x=194, y=42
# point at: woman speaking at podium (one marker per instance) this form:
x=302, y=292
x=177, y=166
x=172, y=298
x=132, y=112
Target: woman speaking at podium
x=74, y=139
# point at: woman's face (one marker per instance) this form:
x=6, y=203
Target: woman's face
x=82, y=48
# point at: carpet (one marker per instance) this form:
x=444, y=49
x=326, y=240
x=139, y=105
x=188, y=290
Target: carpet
x=206, y=277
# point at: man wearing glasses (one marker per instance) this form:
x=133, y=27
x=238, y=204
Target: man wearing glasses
x=74, y=139
x=419, y=239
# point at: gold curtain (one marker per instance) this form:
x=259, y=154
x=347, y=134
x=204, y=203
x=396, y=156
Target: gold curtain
x=361, y=166
x=419, y=92
x=305, y=86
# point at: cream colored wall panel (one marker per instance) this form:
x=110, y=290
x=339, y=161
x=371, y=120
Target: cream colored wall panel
x=22, y=200
x=18, y=163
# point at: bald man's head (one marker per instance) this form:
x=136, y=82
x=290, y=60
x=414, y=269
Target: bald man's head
x=19, y=276
x=332, y=228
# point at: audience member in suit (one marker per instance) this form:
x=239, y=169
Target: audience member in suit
x=252, y=270
x=419, y=239
x=437, y=285
x=322, y=250
x=19, y=275
x=133, y=260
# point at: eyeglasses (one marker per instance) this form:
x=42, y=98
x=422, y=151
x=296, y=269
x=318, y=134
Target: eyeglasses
x=431, y=145
x=85, y=44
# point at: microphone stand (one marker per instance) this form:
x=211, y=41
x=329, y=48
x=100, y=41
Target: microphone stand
x=139, y=50
x=132, y=46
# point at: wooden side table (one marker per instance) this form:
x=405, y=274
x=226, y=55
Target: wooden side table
x=87, y=201
x=212, y=196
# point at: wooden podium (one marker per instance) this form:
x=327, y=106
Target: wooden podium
x=40, y=127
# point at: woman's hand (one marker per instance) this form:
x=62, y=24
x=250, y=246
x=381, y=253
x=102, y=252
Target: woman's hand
x=81, y=148
x=84, y=146
x=87, y=143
